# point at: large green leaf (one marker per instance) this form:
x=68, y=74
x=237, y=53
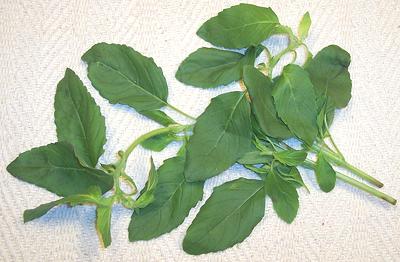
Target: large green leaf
x=221, y=135
x=262, y=103
x=283, y=195
x=326, y=175
x=174, y=197
x=329, y=74
x=78, y=119
x=210, y=67
x=124, y=76
x=227, y=217
x=239, y=26
x=294, y=98
x=56, y=168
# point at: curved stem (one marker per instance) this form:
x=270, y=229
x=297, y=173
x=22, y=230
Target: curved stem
x=351, y=181
x=181, y=112
x=342, y=163
x=331, y=139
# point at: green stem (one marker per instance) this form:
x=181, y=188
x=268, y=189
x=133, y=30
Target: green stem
x=311, y=165
x=330, y=155
x=181, y=112
x=331, y=139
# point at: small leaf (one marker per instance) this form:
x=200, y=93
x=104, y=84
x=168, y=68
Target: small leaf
x=103, y=223
x=147, y=197
x=159, y=142
x=262, y=103
x=291, y=157
x=283, y=195
x=210, y=67
x=295, y=102
x=56, y=168
x=124, y=76
x=304, y=26
x=78, y=119
x=254, y=157
x=292, y=175
x=329, y=74
x=174, y=197
x=91, y=197
x=159, y=116
x=227, y=217
x=326, y=175
x=239, y=26
x=221, y=135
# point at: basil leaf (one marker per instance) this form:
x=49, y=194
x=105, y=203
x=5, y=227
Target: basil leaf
x=283, y=195
x=56, y=168
x=147, y=196
x=174, y=197
x=291, y=157
x=262, y=103
x=239, y=26
x=210, y=67
x=221, y=135
x=159, y=117
x=326, y=175
x=295, y=102
x=227, y=217
x=103, y=223
x=92, y=196
x=124, y=76
x=254, y=157
x=159, y=142
x=329, y=74
x=78, y=119
x=304, y=26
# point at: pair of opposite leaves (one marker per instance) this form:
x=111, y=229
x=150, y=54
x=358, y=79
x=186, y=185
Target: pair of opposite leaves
x=106, y=69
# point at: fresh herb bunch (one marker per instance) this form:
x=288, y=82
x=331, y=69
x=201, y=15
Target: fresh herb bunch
x=249, y=128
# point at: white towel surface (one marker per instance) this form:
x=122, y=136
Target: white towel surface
x=39, y=39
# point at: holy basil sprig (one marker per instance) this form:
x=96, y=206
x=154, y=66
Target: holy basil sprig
x=249, y=128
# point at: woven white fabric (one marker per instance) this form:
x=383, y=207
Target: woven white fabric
x=39, y=39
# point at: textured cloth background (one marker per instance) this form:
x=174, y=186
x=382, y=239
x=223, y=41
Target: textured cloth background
x=39, y=39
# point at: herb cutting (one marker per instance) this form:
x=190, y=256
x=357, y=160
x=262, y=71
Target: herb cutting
x=254, y=128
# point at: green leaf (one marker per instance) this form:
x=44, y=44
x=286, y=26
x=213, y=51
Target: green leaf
x=262, y=103
x=210, y=67
x=329, y=74
x=103, y=224
x=78, y=119
x=304, y=26
x=147, y=196
x=227, y=217
x=92, y=196
x=326, y=175
x=174, y=197
x=159, y=142
x=159, y=117
x=295, y=102
x=221, y=135
x=292, y=175
x=283, y=195
x=239, y=26
x=291, y=157
x=56, y=168
x=124, y=76
x=254, y=157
